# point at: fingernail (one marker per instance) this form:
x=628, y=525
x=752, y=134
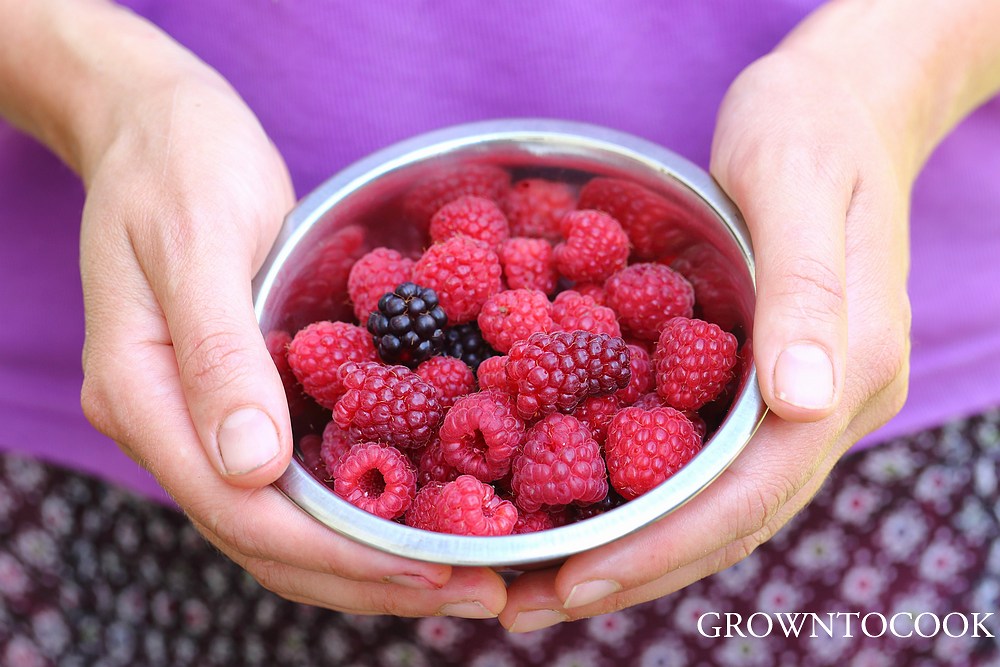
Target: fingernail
x=803, y=377
x=536, y=619
x=412, y=581
x=591, y=591
x=466, y=609
x=247, y=440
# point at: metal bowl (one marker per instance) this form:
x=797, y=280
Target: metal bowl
x=362, y=207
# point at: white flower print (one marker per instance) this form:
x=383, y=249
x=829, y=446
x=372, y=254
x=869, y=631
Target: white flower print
x=578, y=658
x=334, y=645
x=22, y=652
x=611, y=628
x=871, y=657
x=953, y=650
x=494, y=658
x=25, y=474
x=745, y=652
x=438, y=632
x=50, y=631
x=940, y=562
x=901, y=533
x=403, y=654
x=822, y=550
x=737, y=577
x=688, y=611
x=936, y=483
x=855, y=503
x=985, y=478
x=37, y=549
x=778, y=595
x=663, y=653
x=862, y=584
x=888, y=464
x=56, y=515
x=14, y=581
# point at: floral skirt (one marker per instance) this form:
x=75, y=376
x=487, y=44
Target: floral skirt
x=92, y=575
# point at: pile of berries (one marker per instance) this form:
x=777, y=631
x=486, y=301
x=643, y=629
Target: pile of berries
x=539, y=363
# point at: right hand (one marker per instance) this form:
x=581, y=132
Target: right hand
x=184, y=200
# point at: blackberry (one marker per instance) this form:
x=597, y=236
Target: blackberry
x=465, y=342
x=408, y=326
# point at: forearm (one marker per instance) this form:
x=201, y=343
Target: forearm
x=922, y=65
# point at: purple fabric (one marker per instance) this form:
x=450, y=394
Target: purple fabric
x=333, y=81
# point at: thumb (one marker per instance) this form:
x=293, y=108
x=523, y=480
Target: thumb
x=797, y=219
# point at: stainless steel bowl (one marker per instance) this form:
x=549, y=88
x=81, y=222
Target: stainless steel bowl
x=360, y=208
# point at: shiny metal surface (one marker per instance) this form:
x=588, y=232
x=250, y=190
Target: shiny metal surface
x=363, y=200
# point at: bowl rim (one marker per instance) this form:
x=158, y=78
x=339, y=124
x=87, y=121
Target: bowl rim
x=555, y=544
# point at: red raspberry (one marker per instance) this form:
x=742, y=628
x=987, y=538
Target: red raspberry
x=700, y=427
x=649, y=401
x=595, y=412
x=514, y=315
x=642, y=376
x=422, y=513
x=463, y=272
x=653, y=224
x=481, y=434
x=596, y=246
x=573, y=311
x=450, y=376
x=528, y=264
x=645, y=447
x=317, y=290
x=594, y=290
x=535, y=206
x=373, y=275
x=694, y=362
x=492, y=374
x=317, y=353
x=645, y=296
x=431, y=466
x=559, y=465
x=535, y=522
x=377, y=478
x=714, y=282
x=277, y=342
x=549, y=372
x=475, y=217
x=467, y=506
x=335, y=444
x=450, y=183
x=388, y=404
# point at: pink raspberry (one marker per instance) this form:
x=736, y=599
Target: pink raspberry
x=432, y=467
x=559, y=465
x=714, y=282
x=535, y=206
x=463, y=272
x=514, y=315
x=535, y=522
x=528, y=264
x=316, y=292
x=422, y=512
x=335, y=444
x=549, y=372
x=573, y=311
x=645, y=296
x=481, y=434
x=450, y=376
x=377, y=478
x=492, y=374
x=648, y=401
x=450, y=183
x=594, y=290
x=645, y=447
x=317, y=352
x=596, y=412
x=467, y=506
x=596, y=246
x=642, y=376
x=277, y=342
x=475, y=217
x=388, y=404
x=694, y=362
x=378, y=272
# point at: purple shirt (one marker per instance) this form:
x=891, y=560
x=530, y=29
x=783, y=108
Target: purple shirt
x=333, y=81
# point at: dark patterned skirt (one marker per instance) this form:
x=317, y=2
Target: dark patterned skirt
x=92, y=575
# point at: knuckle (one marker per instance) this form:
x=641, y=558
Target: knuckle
x=271, y=575
x=812, y=290
x=762, y=496
x=213, y=361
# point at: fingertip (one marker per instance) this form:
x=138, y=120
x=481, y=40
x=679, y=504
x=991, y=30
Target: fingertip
x=804, y=383
x=251, y=449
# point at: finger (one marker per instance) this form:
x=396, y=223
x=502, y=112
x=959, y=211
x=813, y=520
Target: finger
x=795, y=202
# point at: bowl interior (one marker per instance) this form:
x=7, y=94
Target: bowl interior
x=368, y=205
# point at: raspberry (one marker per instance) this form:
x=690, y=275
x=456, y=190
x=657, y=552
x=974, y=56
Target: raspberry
x=549, y=372
x=559, y=465
x=596, y=246
x=422, y=513
x=481, y=434
x=514, y=315
x=535, y=206
x=654, y=225
x=694, y=361
x=388, y=404
x=642, y=376
x=378, y=272
x=648, y=401
x=463, y=272
x=316, y=292
x=408, y=326
x=573, y=311
x=451, y=377
x=335, y=445
x=594, y=290
x=465, y=342
x=277, y=342
x=645, y=296
x=317, y=352
x=700, y=427
x=467, y=506
x=450, y=183
x=493, y=374
x=595, y=412
x=714, y=283
x=645, y=447
x=528, y=264
x=376, y=478
x=535, y=522
x=431, y=466
x=475, y=217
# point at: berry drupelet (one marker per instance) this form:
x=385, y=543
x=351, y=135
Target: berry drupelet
x=465, y=342
x=408, y=326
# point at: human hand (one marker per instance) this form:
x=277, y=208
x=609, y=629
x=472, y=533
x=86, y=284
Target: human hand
x=184, y=198
x=825, y=195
